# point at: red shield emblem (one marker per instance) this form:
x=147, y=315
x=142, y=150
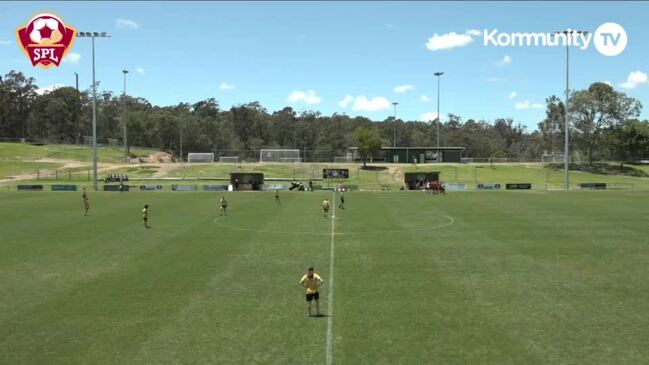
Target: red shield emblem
x=45, y=40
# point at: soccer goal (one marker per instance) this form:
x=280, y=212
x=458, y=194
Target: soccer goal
x=200, y=157
x=230, y=159
x=279, y=155
x=344, y=159
x=552, y=157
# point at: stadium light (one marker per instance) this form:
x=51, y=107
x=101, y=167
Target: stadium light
x=76, y=110
x=566, y=150
x=94, y=35
x=394, y=138
x=125, y=119
x=438, y=74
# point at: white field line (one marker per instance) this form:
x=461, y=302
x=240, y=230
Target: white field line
x=330, y=311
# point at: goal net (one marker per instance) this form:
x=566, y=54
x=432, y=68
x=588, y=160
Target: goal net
x=200, y=157
x=230, y=159
x=277, y=155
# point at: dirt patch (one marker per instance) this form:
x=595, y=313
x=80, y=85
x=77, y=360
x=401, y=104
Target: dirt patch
x=67, y=164
x=165, y=169
x=158, y=157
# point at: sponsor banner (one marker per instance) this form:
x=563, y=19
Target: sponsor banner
x=598, y=186
x=487, y=186
x=518, y=186
x=184, y=187
x=64, y=188
x=215, y=187
x=30, y=187
x=455, y=187
x=115, y=187
x=150, y=187
x=276, y=186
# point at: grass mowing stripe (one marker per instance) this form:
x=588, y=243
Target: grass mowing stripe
x=330, y=319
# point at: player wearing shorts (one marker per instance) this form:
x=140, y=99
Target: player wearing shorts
x=145, y=216
x=224, y=206
x=277, y=197
x=86, y=202
x=311, y=281
x=325, y=207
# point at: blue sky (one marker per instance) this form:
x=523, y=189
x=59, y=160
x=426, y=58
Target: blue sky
x=354, y=58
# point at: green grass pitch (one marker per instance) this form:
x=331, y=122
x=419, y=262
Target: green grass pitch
x=474, y=277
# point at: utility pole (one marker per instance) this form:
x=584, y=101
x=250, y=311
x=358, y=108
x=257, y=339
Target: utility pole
x=394, y=138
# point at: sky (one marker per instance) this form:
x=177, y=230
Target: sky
x=355, y=58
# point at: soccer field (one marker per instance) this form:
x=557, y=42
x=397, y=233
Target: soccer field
x=473, y=277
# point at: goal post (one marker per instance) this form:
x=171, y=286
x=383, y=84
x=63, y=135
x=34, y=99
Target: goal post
x=279, y=155
x=552, y=157
x=343, y=159
x=200, y=157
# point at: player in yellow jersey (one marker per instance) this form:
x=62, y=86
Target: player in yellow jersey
x=311, y=281
x=325, y=208
x=86, y=202
x=145, y=216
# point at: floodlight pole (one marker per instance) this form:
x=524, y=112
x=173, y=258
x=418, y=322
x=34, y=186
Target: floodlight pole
x=394, y=138
x=566, y=149
x=438, y=74
x=76, y=111
x=124, y=119
x=94, y=35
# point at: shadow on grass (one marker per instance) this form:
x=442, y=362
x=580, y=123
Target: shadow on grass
x=319, y=315
x=600, y=168
x=374, y=168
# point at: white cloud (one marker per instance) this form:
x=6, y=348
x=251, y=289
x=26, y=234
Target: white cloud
x=451, y=40
x=363, y=104
x=428, y=117
x=226, y=87
x=403, y=88
x=608, y=83
x=513, y=95
x=425, y=98
x=48, y=89
x=505, y=61
x=126, y=24
x=527, y=105
x=72, y=58
x=635, y=79
x=4, y=42
x=346, y=101
x=309, y=97
x=140, y=70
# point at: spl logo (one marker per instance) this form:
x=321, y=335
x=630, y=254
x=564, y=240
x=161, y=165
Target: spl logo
x=45, y=40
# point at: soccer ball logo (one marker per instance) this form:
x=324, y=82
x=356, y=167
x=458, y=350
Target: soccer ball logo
x=45, y=40
x=46, y=31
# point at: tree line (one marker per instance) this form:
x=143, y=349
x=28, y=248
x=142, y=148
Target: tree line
x=605, y=125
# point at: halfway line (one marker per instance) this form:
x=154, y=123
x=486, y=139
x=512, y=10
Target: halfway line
x=330, y=319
